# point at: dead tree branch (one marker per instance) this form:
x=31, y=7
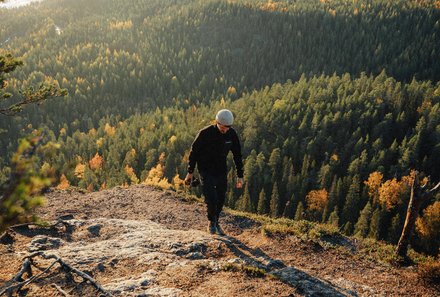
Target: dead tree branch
x=27, y=268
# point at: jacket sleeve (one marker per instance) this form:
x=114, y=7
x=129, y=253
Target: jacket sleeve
x=236, y=151
x=194, y=154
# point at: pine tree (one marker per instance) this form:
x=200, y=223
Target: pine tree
x=262, y=203
x=333, y=219
x=363, y=224
x=299, y=214
x=352, y=203
x=395, y=229
x=275, y=202
x=348, y=228
x=244, y=202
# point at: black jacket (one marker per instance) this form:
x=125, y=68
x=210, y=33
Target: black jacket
x=210, y=149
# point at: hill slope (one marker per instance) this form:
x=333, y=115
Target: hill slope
x=140, y=241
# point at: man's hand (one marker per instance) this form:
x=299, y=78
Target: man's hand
x=188, y=178
x=239, y=184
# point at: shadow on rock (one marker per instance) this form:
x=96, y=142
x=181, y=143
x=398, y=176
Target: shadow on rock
x=304, y=283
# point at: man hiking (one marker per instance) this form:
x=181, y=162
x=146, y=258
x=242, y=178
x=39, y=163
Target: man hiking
x=209, y=151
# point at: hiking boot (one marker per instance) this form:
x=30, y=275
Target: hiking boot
x=219, y=230
x=211, y=228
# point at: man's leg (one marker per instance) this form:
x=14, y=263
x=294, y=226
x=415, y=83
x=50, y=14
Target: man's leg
x=210, y=193
x=221, y=196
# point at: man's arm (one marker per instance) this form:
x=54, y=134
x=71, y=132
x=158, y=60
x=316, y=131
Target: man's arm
x=236, y=151
x=193, y=157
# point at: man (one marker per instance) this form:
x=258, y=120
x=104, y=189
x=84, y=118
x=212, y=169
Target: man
x=209, y=151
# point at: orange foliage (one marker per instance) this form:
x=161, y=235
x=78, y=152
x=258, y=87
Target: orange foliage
x=96, y=162
x=79, y=170
x=90, y=188
x=64, y=183
x=373, y=183
x=317, y=199
x=428, y=225
x=273, y=6
x=103, y=186
x=389, y=193
x=232, y=90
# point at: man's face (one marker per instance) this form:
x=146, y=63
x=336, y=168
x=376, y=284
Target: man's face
x=222, y=128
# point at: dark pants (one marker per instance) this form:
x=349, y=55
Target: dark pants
x=214, y=190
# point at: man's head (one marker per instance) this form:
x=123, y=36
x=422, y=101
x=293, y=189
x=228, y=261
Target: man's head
x=224, y=119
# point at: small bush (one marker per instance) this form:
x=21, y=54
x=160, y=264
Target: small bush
x=249, y=270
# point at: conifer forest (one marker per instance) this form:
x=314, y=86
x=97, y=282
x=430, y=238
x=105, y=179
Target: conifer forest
x=336, y=103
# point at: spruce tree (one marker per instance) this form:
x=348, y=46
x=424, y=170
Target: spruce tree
x=375, y=224
x=363, y=224
x=352, y=204
x=262, y=203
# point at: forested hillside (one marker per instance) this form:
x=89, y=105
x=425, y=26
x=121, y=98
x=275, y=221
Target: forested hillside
x=335, y=102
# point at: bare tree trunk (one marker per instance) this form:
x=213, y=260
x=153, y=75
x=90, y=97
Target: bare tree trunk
x=418, y=196
x=411, y=215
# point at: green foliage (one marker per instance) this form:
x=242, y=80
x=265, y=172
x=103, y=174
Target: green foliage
x=22, y=193
x=29, y=95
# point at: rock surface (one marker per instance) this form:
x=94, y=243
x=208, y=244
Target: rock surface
x=141, y=241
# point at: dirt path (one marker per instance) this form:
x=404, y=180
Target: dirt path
x=142, y=241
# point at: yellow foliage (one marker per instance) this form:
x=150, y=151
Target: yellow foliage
x=317, y=199
x=428, y=226
x=100, y=142
x=162, y=158
x=92, y=132
x=64, y=183
x=63, y=132
x=222, y=102
x=109, y=130
x=173, y=139
x=131, y=174
x=155, y=178
x=178, y=183
x=334, y=158
x=373, y=183
x=79, y=170
x=272, y=6
x=232, y=90
x=121, y=25
x=96, y=162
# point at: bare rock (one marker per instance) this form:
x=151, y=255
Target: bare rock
x=43, y=242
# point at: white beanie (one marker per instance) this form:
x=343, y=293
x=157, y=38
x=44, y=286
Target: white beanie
x=224, y=117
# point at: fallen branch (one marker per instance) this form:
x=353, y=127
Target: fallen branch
x=61, y=291
x=27, y=268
